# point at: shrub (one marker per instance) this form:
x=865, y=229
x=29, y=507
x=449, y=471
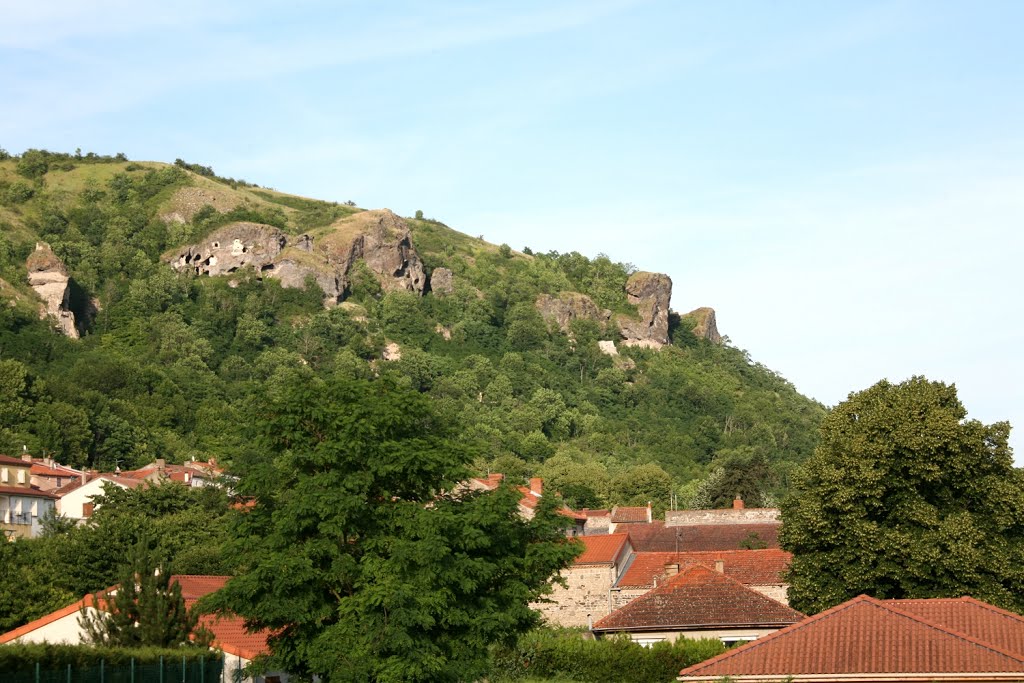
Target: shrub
x=563, y=653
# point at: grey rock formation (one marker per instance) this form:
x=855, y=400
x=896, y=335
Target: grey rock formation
x=48, y=276
x=232, y=248
x=442, y=281
x=704, y=326
x=379, y=238
x=568, y=306
x=651, y=294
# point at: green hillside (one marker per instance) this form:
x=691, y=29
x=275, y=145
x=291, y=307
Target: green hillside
x=169, y=363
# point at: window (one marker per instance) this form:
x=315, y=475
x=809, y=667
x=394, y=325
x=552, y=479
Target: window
x=733, y=641
x=21, y=476
x=647, y=642
x=4, y=476
x=87, y=509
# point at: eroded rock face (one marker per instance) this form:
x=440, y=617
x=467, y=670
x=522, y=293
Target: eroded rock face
x=48, y=276
x=379, y=238
x=651, y=294
x=704, y=325
x=232, y=248
x=569, y=306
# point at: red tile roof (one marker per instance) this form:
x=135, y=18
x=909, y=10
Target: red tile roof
x=229, y=633
x=656, y=537
x=57, y=471
x=749, y=567
x=106, y=476
x=628, y=515
x=602, y=549
x=967, y=615
x=30, y=491
x=8, y=460
x=698, y=598
x=869, y=639
x=596, y=513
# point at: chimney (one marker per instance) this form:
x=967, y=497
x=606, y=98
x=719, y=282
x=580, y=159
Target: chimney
x=160, y=464
x=85, y=476
x=27, y=457
x=737, y=503
x=720, y=566
x=536, y=485
x=671, y=568
x=650, y=518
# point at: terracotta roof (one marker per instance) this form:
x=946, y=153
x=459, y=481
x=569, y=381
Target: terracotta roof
x=601, y=549
x=699, y=597
x=749, y=567
x=596, y=513
x=8, y=460
x=626, y=515
x=58, y=471
x=967, y=615
x=656, y=537
x=92, y=476
x=869, y=639
x=229, y=633
x=30, y=491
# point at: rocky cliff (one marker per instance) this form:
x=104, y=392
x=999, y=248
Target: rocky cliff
x=651, y=294
x=380, y=239
x=48, y=276
x=561, y=310
x=703, y=324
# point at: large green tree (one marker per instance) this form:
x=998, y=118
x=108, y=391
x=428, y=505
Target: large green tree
x=359, y=554
x=906, y=498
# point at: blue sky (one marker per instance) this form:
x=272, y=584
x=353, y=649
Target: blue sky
x=842, y=181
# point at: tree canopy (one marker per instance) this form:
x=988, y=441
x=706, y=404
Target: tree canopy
x=360, y=554
x=906, y=498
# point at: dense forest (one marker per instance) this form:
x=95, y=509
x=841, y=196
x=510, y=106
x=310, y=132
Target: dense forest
x=169, y=365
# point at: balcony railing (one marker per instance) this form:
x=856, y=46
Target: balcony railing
x=17, y=517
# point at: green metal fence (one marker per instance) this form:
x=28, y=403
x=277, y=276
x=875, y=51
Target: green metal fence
x=167, y=670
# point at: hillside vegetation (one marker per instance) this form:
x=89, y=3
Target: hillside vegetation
x=169, y=363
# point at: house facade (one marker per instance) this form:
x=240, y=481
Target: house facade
x=23, y=506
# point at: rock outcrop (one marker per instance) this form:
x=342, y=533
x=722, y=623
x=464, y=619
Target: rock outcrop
x=380, y=239
x=442, y=281
x=568, y=306
x=651, y=294
x=48, y=276
x=703, y=322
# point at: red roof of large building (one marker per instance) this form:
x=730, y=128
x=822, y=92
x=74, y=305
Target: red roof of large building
x=656, y=537
x=749, y=567
x=602, y=549
x=105, y=476
x=697, y=598
x=877, y=640
x=8, y=460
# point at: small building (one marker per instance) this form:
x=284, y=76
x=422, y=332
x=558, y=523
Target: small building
x=698, y=602
x=23, y=506
x=586, y=595
x=882, y=641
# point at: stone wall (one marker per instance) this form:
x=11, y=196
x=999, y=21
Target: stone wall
x=741, y=516
x=583, y=600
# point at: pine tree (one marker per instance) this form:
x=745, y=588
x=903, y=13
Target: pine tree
x=144, y=609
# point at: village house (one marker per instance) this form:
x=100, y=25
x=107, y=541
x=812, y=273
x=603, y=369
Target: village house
x=586, y=595
x=229, y=633
x=23, y=506
x=696, y=601
x=881, y=641
x=76, y=500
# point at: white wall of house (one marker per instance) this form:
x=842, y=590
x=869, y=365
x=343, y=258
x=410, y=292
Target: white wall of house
x=72, y=504
x=62, y=630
